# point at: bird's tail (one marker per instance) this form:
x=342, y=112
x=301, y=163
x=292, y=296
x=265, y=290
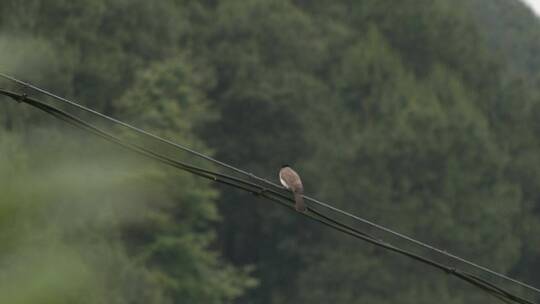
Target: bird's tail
x=300, y=206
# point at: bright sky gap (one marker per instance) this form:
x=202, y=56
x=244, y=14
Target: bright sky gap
x=534, y=4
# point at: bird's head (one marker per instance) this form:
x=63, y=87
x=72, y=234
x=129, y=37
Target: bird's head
x=284, y=166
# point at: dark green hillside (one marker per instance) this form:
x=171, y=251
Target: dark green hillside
x=419, y=115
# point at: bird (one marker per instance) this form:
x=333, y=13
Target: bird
x=291, y=180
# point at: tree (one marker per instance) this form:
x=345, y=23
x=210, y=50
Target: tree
x=169, y=100
x=409, y=149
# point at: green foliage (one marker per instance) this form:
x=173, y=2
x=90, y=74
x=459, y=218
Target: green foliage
x=168, y=99
x=58, y=216
x=420, y=115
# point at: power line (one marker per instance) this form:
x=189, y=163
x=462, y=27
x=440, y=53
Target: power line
x=77, y=122
x=484, y=285
x=265, y=193
x=126, y=125
x=221, y=178
x=476, y=281
x=270, y=183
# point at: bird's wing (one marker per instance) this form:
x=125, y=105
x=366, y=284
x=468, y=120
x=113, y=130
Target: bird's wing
x=290, y=179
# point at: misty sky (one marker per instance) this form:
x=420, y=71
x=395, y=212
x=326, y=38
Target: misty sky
x=535, y=4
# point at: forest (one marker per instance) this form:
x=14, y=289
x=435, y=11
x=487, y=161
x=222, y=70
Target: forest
x=419, y=115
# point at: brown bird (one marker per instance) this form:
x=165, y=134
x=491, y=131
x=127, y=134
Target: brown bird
x=291, y=180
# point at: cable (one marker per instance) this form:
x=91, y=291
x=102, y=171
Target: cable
x=474, y=280
x=382, y=228
x=492, y=289
x=265, y=193
x=126, y=125
x=64, y=116
x=276, y=186
x=224, y=179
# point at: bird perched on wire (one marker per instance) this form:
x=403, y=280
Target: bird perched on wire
x=291, y=180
